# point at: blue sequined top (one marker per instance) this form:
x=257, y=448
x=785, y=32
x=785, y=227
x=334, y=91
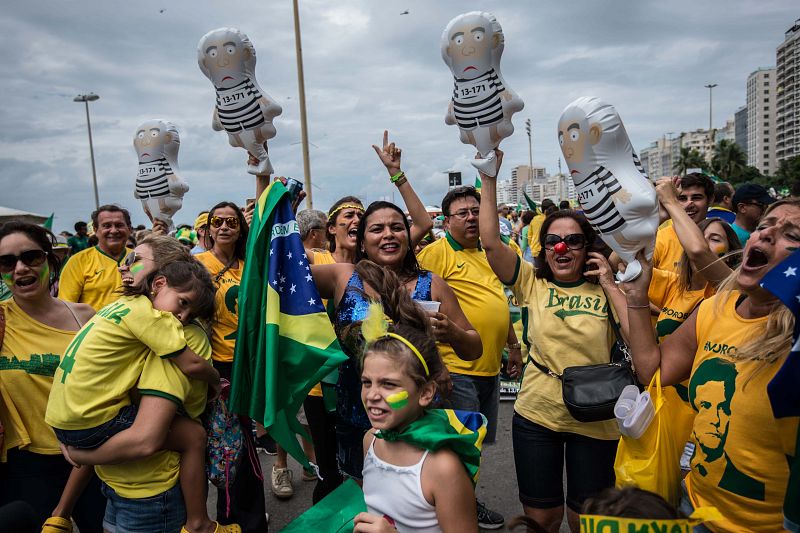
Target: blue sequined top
x=353, y=308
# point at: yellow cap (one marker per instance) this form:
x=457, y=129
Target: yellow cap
x=201, y=221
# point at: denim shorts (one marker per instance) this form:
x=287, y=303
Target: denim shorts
x=480, y=394
x=88, y=439
x=163, y=513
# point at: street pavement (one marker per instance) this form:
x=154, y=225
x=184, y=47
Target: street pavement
x=497, y=485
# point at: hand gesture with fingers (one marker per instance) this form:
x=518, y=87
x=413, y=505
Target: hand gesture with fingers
x=389, y=155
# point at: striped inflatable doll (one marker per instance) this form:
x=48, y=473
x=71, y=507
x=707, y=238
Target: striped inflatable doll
x=228, y=58
x=617, y=197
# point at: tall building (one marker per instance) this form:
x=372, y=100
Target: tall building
x=660, y=157
x=700, y=140
x=740, y=125
x=761, y=121
x=787, y=96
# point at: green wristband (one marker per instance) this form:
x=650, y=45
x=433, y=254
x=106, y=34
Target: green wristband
x=397, y=176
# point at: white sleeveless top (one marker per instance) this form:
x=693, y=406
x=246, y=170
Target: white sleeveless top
x=396, y=492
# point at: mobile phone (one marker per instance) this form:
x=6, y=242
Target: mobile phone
x=294, y=187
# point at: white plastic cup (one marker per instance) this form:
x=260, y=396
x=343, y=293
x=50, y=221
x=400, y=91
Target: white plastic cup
x=429, y=306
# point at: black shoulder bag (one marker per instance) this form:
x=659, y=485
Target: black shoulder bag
x=591, y=391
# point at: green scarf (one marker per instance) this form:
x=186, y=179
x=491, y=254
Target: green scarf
x=461, y=431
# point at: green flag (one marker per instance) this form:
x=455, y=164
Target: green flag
x=531, y=203
x=461, y=431
x=285, y=342
x=48, y=224
x=334, y=513
x=478, y=183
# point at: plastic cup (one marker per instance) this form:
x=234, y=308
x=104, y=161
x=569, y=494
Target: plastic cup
x=429, y=306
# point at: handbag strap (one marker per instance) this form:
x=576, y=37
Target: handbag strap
x=543, y=368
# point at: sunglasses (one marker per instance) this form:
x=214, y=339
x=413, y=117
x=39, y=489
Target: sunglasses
x=31, y=258
x=575, y=241
x=217, y=222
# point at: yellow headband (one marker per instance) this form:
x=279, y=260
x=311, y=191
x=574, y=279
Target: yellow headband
x=615, y=524
x=376, y=326
x=332, y=214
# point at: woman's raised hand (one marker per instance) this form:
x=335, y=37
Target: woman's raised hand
x=389, y=155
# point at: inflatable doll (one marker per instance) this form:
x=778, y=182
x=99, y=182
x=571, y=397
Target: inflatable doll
x=615, y=194
x=482, y=103
x=227, y=58
x=158, y=186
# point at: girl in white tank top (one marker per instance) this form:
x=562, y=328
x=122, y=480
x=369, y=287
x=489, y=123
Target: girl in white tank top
x=414, y=481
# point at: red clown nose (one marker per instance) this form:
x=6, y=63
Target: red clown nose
x=561, y=248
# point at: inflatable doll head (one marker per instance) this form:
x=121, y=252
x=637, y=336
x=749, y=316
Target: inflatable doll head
x=472, y=44
x=591, y=134
x=227, y=57
x=156, y=139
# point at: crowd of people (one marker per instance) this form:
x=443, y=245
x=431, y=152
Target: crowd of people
x=108, y=358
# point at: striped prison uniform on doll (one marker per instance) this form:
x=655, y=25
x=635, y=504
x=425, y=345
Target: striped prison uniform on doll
x=152, y=179
x=238, y=107
x=477, y=102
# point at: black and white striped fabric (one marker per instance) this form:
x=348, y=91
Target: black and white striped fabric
x=477, y=102
x=639, y=166
x=152, y=179
x=594, y=195
x=238, y=107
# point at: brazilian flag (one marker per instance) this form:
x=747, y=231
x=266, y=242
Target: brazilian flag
x=285, y=342
x=784, y=390
x=478, y=183
x=461, y=431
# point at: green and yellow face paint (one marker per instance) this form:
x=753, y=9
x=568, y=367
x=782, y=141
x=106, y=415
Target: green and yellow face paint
x=137, y=267
x=398, y=400
x=8, y=279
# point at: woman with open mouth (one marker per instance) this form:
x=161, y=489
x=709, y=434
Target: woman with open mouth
x=384, y=247
x=568, y=322
x=38, y=329
x=730, y=348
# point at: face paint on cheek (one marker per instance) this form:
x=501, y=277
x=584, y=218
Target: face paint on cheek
x=8, y=279
x=137, y=267
x=44, y=275
x=398, y=400
x=719, y=249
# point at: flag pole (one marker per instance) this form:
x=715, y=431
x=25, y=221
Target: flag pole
x=302, y=93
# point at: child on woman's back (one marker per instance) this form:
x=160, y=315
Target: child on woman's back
x=90, y=406
x=418, y=470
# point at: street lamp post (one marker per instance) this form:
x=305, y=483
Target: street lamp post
x=529, y=130
x=86, y=98
x=710, y=88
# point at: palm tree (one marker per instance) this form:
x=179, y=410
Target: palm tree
x=689, y=158
x=729, y=160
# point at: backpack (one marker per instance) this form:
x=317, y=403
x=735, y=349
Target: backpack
x=225, y=440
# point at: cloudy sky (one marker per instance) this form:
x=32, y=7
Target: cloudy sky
x=367, y=69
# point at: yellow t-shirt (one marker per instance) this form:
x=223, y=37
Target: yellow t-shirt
x=321, y=257
x=481, y=297
x=226, y=323
x=91, y=277
x=105, y=359
x=29, y=356
x=158, y=473
x=533, y=234
x=668, y=250
x=565, y=324
x=739, y=465
x=676, y=305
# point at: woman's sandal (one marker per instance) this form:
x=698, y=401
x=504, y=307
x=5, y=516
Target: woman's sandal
x=230, y=528
x=57, y=524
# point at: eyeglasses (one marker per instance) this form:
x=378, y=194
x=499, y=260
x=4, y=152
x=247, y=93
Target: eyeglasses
x=757, y=204
x=464, y=213
x=132, y=258
x=31, y=258
x=231, y=222
x=575, y=241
